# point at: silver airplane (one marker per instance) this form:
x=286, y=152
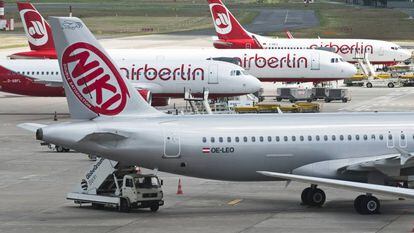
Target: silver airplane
x=365, y=152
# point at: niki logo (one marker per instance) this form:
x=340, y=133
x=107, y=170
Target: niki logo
x=35, y=27
x=221, y=18
x=93, y=79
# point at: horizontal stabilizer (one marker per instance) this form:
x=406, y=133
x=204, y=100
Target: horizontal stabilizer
x=349, y=185
x=32, y=127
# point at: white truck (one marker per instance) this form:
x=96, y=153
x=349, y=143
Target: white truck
x=107, y=185
x=389, y=82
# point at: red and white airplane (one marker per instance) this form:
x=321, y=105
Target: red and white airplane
x=232, y=35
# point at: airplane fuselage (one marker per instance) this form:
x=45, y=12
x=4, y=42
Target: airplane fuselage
x=234, y=147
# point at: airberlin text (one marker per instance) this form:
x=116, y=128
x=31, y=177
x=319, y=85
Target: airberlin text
x=147, y=72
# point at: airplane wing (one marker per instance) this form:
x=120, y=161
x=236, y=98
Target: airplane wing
x=32, y=127
x=350, y=185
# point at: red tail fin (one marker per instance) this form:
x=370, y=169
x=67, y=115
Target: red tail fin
x=227, y=27
x=289, y=34
x=38, y=31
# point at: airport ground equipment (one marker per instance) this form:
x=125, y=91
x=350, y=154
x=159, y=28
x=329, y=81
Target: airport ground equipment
x=107, y=184
x=293, y=94
x=298, y=107
x=337, y=94
x=318, y=93
x=391, y=83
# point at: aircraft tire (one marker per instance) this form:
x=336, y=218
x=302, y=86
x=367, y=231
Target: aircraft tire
x=369, y=205
x=357, y=203
x=59, y=149
x=304, y=195
x=390, y=85
x=369, y=85
x=316, y=197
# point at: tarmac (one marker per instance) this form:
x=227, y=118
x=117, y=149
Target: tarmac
x=34, y=180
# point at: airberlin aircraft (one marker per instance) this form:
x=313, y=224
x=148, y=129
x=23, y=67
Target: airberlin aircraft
x=267, y=65
x=232, y=35
x=364, y=152
x=155, y=81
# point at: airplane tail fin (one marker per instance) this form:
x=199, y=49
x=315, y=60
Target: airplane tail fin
x=227, y=26
x=38, y=31
x=93, y=83
x=289, y=34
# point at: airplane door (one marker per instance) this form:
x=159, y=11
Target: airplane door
x=390, y=140
x=403, y=140
x=315, y=65
x=381, y=51
x=172, y=146
x=213, y=74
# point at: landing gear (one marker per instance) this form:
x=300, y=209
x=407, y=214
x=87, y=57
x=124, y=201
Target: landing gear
x=367, y=204
x=313, y=196
x=61, y=149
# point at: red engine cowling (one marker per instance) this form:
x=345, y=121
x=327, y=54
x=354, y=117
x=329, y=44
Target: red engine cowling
x=160, y=102
x=146, y=94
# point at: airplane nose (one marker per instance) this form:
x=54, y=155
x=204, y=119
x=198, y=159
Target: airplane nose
x=253, y=84
x=405, y=54
x=349, y=70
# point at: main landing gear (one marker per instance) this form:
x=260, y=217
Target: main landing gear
x=313, y=196
x=367, y=204
x=363, y=204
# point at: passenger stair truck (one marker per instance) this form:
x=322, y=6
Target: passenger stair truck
x=105, y=184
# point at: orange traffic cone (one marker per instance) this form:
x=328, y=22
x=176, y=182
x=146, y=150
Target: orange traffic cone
x=179, y=190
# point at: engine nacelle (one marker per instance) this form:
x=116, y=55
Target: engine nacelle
x=146, y=94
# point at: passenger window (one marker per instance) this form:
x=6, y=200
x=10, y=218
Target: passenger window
x=402, y=137
x=228, y=139
x=325, y=137
x=349, y=137
x=269, y=139
x=212, y=139
x=47, y=73
x=245, y=139
x=285, y=138
x=293, y=138
x=317, y=138
x=373, y=137
x=204, y=139
x=237, y=139
x=309, y=138
x=390, y=136
x=301, y=138
x=357, y=137
x=220, y=139
x=341, y=137
x=365, y=137
x=278, y=139
x=333, y=138
x=261, y=139
x=381, y=137
x=253, y=139
x=43, y=73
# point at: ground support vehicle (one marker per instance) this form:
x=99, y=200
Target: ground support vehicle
x=105, y=184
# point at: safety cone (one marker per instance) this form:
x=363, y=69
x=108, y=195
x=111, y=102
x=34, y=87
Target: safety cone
x=180, y=189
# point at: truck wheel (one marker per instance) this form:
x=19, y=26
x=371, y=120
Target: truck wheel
x=292, y=100
x=278, y=99
x=124, y=205
x=154, y=207
x=369, y=85
x=390, y=85
x=327, y=100
x=59, y=149
x=345, y=100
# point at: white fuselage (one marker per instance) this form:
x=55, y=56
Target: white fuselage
x=267, y=65
x=377, y=51
x=169, y=79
